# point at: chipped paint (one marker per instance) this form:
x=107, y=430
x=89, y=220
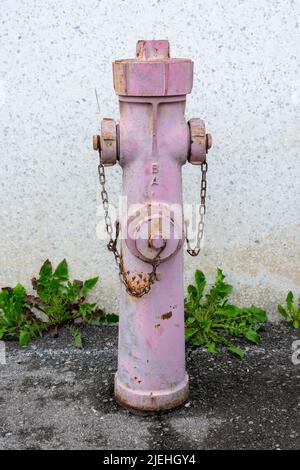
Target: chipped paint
x=166, y=316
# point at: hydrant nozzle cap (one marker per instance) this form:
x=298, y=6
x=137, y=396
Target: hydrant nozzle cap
x=153, y=72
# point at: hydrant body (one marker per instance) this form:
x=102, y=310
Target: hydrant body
x=151, y=358
x=152, y=142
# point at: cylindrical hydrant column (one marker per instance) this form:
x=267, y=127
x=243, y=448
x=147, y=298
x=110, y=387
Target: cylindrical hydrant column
x=154, y=144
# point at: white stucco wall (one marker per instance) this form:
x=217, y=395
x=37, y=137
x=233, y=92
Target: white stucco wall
x=247, y=88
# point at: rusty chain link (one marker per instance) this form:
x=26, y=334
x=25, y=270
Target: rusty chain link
x=112, y=245
x=202, y=210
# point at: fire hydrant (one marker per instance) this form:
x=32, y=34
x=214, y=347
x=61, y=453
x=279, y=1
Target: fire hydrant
x=151, y=143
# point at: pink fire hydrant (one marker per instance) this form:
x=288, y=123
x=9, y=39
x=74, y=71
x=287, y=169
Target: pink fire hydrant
x=151, y=143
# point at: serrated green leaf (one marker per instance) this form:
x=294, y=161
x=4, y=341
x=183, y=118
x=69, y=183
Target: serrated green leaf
x=252, y=336
x=189, y=332
x=282, y=311
x=89, y=284
x=237, y=351
x=211, y=348
x=223, y=289
x=3, y=330
x=111, y=318
x=86, y=309
x=229, y=310
x=220, y=275
x=62, y=272
x=46, y=269
x=198, y=340
x=4, y=297
x=76, y=336
x=289, y=301
x=258, y=315
x=192, y=292
x=200, y=283
x=19, y=292
x=24, y=338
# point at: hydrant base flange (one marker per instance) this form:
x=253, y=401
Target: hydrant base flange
x=151, y=400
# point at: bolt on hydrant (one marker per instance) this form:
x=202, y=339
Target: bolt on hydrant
x=151, y=143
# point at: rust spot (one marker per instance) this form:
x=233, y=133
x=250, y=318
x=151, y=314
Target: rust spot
x=177, y=324
x=131, y=281
x=137, y=281
x=157, y=326
x=166, y=316
x=140, y=49
x=119, y=75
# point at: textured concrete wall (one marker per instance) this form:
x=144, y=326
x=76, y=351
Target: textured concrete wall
x=246, y=87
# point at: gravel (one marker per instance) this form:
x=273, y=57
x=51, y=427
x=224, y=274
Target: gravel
x=54, y=396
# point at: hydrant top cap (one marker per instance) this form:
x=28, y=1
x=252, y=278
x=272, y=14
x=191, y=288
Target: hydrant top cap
x=153, y=72
x=153, y=50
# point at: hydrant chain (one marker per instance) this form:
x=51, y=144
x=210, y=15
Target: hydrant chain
x=202, y=210
x=112, y=244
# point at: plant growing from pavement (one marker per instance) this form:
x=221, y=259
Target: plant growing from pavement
x=16, y=316
x=59, y=301
x=210, y=321
x=292, y=312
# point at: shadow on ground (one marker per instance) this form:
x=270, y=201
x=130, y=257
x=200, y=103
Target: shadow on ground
x=54, y=396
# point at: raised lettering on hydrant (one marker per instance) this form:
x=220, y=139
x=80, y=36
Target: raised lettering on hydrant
x=151, y=143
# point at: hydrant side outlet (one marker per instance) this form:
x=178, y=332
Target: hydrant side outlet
x=152, y=142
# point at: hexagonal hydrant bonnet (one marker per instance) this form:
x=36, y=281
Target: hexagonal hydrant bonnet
x=151, y=143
